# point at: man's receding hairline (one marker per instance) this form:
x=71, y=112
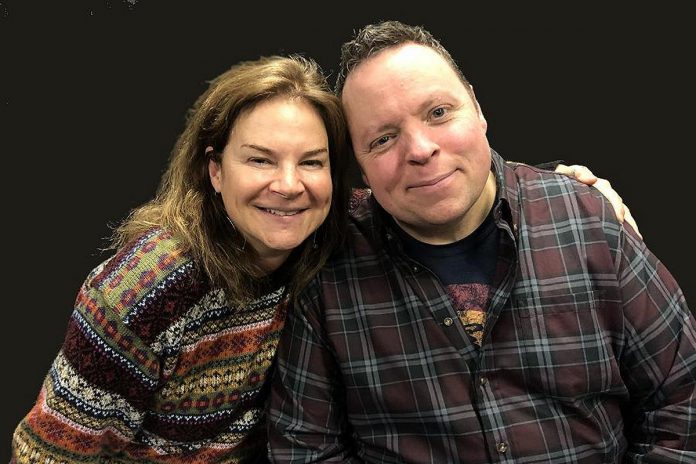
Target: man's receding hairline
x=450, y=63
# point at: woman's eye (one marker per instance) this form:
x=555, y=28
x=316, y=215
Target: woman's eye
x=259, y=161
x=313, y=163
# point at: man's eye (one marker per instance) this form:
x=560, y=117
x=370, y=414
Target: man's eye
x=381, y=141
x=439, y=112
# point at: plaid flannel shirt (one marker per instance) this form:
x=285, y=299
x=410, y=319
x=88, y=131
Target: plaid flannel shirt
x=588, y=356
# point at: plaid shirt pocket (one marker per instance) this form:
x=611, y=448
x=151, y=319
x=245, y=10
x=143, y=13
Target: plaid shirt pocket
x=566, y=351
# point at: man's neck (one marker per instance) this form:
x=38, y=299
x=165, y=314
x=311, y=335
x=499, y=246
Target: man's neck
x=474, y=217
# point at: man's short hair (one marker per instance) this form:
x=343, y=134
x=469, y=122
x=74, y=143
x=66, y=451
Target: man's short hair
x=374, y=38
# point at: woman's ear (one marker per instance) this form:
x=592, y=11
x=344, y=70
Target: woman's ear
x=214, y=169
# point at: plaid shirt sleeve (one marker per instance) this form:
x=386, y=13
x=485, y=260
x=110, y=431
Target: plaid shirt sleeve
x=306, y=418
x=659, y=362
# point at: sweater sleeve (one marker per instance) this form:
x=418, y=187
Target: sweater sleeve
x=92, y=401
x=95, y=396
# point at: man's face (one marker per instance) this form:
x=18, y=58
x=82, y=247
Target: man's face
x=420, y=140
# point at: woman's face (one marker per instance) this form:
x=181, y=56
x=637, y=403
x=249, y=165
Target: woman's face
x=274, y=176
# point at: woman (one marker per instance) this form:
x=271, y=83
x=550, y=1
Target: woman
x=171, y=339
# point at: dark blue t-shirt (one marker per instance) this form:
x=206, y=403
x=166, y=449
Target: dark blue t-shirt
x=465, y=268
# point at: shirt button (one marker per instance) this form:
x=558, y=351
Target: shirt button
x=448, y=321
x=502, y=447
x=483, y=381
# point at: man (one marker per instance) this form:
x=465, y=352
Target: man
x=484, y=311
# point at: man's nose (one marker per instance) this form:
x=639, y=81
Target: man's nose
x=420, y=146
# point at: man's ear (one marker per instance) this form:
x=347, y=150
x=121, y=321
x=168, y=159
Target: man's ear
x=481, y=117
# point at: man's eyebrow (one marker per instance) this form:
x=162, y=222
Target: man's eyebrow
x=430, y=102
x=382, y=128
x=390, y=126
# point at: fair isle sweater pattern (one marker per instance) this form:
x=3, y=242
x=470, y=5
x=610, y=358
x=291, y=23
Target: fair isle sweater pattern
x=155, y=367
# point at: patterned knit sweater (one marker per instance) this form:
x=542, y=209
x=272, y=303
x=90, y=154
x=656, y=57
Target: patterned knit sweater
x=155, y=368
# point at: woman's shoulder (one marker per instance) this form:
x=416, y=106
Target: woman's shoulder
x=155, y=251
x=147, y=272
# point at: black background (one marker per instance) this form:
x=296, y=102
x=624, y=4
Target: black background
x=93, y=95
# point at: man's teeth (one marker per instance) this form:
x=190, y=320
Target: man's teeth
x=277, y=212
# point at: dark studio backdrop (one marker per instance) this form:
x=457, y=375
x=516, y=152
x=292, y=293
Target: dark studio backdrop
x=93, y=96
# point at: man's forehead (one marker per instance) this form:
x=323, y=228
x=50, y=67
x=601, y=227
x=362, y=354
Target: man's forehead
x=409, y=61
x=398, y=89
x=403, y=57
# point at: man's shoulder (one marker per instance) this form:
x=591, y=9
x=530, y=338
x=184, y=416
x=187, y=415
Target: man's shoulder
x=547, y=197
x=365, y=217
x=529, y=171
x=359, y=203
x=528, y=178
x=365, y=237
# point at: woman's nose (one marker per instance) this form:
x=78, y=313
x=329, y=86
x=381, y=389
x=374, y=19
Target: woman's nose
x=287, y=183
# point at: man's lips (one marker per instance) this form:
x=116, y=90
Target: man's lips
x=430, y=182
